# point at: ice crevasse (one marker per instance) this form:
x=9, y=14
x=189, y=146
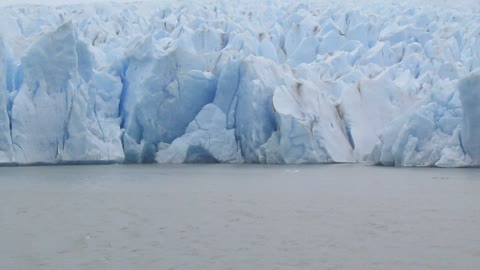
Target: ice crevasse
x=271, y=83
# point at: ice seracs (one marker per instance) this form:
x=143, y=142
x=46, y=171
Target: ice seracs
x=261, y=82
x=163, y=91
x=206, y=139
x=420, y=137
x=439, y=131
x=313, y=131
x=54, y=115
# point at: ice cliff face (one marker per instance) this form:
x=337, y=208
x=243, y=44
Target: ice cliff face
x=470, y=98
x=442, y=130
x=265, y=83
x=59, y=112
x=6, y=151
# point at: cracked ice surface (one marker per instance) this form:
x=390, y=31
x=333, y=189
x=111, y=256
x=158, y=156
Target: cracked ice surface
x=264, y=81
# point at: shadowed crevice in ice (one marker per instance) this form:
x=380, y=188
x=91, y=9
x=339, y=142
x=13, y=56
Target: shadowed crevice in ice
x=197, y=154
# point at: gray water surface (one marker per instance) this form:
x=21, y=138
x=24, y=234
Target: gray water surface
x=241, y=217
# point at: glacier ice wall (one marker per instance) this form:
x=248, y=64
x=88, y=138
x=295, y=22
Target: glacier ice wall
x=6, y=150
x=442, y=130
x=54, y=114
x=273, y=82
x=470, y=97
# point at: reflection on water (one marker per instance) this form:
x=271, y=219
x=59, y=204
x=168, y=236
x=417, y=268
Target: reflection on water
x=238, y=217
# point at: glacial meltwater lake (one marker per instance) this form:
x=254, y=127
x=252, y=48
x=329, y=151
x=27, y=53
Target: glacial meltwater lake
x=242, y=217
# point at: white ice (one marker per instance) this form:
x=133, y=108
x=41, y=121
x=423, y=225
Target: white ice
x=258, y=82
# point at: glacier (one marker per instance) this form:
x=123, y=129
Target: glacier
x=262, y=82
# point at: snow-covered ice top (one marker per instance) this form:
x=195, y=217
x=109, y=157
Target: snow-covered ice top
x=258, y=82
